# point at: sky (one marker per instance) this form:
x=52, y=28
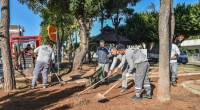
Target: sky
x=22, y=15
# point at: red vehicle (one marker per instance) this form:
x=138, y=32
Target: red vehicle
x=18, y=45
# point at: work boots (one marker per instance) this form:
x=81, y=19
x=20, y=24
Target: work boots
x=148, y=96
x=134, y=97
x=174, y=83
x=123, y=89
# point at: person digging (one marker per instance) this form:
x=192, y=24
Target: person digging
x=45, y=56
x=122, y=66
x=136, y=59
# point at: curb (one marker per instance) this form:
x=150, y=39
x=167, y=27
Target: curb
x=186, y=85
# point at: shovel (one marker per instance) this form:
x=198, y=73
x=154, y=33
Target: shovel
x=61, y=82
x=101, y=97
x=54, y=73
x=95, y=84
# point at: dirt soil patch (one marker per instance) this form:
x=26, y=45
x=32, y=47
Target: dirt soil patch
x=64, y=98
x=154, y=70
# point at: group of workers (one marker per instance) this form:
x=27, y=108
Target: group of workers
x=132, y=61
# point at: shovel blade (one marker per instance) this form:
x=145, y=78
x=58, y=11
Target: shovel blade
x=99, y=96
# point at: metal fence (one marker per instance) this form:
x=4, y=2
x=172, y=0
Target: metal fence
x=194, y=57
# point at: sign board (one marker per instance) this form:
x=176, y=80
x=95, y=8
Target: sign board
x=52, y=33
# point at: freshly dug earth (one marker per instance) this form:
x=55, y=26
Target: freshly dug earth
x=64, y=98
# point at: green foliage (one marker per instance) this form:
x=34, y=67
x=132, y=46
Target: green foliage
x=194, y=37
x=188, y=52
x=44, y=35
x=35, y=5
x=75, y=46
x=187, y=19
x=141, y=28
x=65, y=23
x=63, y=13
x=116, y=10
x=113, y=7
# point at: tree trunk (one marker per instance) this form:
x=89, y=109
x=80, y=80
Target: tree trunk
x=172, y=22
x=70, y=49
x=82, y=49
x=16, y=57
x=163, y=94
x=9, y=79
x=62, y=37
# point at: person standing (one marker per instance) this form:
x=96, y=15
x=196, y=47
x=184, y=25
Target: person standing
x=45, y=56
x=123, y=66
x=103, y=61
x=28, y=50
x=174, y=53
x=136, y=59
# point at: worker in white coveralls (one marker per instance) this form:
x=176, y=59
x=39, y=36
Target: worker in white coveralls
x=174, y=53
x=45, y=56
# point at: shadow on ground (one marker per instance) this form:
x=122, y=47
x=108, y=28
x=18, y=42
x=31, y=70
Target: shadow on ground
x=37, y=99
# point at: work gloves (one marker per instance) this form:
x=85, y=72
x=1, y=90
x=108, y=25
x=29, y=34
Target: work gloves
x=127, y=75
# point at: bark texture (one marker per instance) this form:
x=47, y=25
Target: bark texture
x=172, y=22
x=9, y=79
x=163, y=94
x=82, y=49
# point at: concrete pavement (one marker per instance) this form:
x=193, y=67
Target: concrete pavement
x=195, y=63
x=192, y=86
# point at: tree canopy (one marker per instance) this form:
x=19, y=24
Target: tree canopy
x=62, y=13
x=141, y=28
x=187, y=19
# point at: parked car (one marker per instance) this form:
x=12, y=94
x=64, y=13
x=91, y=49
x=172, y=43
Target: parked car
x=153, y=57
x=182, y=58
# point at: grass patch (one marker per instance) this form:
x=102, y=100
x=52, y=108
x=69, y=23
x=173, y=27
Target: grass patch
x=188, y=66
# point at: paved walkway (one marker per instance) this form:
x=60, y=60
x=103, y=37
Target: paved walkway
x=192, y=86
x=195, y=63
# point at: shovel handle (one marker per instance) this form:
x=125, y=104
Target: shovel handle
x=113, y=86
x=94, y=84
